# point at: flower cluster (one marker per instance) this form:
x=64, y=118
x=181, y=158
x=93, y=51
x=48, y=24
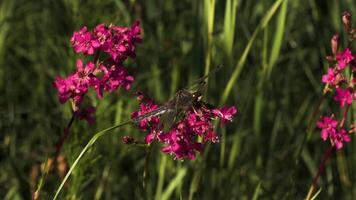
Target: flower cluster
x=329, y=129
x=116, y=44
x=342, y=85
x=119, y=42
x=182, y=138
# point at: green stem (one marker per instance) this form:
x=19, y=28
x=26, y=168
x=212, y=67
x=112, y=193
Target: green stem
x=85, y=149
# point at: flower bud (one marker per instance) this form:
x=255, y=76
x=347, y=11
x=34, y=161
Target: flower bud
x=346, y=18
x=330, y=59
x=353, y=34
x=335, y=44
x=128, y=140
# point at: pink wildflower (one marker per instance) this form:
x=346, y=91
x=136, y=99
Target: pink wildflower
x=84, y=42
x=344, y=58
x=328, y=126
x=330, y=77
x=114, y=76
x=122, y=43
x=145, y=108
x=182, y=139
x=77, y=84
x=340, y=137
x=343, y=96
x=181, y=144
x=225, y=114
x=102, y=33
x=69, y=88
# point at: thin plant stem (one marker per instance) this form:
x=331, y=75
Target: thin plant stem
x=309, y=127
x=47, y=168
x=64, y=136
x=326, y=156
x=85, y=149
x=342, y=122
x=145, y=171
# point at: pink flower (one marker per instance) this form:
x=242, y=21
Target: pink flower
x=340, y=137
x=69, y=88
x=77, y=84
x=87, y=114
x=102, y=33
x=330, y=77
x=225, y=114
x=180, y=144
x=114, y=76
x=328, y=126
x=343, y=96
x=344, y=58
x=188, y=136
x=145, y=108
x=84, y=42
x=123, y=42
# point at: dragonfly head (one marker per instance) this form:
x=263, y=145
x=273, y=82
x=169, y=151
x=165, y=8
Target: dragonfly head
x=197, y=96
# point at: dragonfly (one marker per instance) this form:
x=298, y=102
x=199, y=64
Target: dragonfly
x=182, y=101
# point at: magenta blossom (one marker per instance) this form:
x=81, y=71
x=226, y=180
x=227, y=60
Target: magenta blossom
x=122, y=43
x=180, y=144
x=102, y=33
x=225, y=113
x=340, y=137
x=344, y=58
x=182, y=140
x=328, y=126
x=330, y=77
x=329, y=129
x=113, y=77
x=70, y=88
x=117, y=41
x=84, y=42
x=343, y=96
x=150, y=124
x=77, y=84
x=107, y=74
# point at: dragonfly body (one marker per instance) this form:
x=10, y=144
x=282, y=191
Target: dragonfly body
x=182, y=101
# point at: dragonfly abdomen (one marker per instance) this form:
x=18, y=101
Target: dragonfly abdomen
x=159, y=111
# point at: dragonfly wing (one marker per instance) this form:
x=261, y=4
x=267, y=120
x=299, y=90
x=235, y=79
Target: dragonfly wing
x=159, y=111
x=168, y=119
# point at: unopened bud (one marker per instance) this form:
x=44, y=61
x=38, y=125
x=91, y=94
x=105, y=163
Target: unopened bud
x=128, y=140
x=62, y=166
x=339, y=78
x=139, y=95
x=330, y=59
x=346, y=20
x=352, y=128
x=335, y=44
x=353, y=34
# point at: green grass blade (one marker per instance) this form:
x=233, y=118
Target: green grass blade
x=278, y=38
x=229, y=26
x=257, y=191
x=174, y=183
x=240, y=64
x=316, y=194
x=85, y=149
x=162, y=169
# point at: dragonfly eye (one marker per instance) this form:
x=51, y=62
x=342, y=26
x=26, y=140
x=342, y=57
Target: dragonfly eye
x=197, y=96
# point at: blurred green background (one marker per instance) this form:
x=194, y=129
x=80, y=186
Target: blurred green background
x=272, y=53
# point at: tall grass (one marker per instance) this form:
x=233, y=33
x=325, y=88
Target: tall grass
x=272, y=54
